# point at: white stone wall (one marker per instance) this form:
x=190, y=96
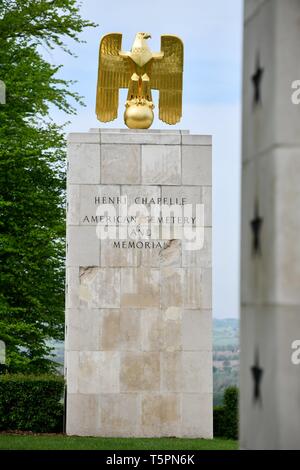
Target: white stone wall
x=270, y=294
x=138, y=321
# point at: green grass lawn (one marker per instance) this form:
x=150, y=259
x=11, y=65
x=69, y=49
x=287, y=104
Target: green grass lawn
x=61, y=442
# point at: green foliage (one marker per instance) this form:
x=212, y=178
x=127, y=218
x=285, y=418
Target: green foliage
x=226, y=422
x=224, y=378
x=32, y=179
x=31, y=403
x=231, y=398
x=218, y=421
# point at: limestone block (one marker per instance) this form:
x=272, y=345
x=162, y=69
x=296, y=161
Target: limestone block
x=171, y=329
x=171, y=371
x=140, y=371
x=72, y=363
x=170, y=231
x=249, y=275
x=288, y=325
x=83, y=246
x=197, y=417
x=190, y=194
x=167, y=254
x=196, y=165
x=287, y=226
x=95, y=197
x=261, y=327
x=259, y=121
x=113, y=254
x=139, y=194
x=83, y=413
x=193, y=195
x=121, y=330
x=266, y=263
x=124, y=131
x=170, y=254
x=259, y=331
x=140, y=287
x=92, y=372
x=197, y=140
x=84, y=137
x=119, y=414
x=83, y=163
x=141, y=138
x=152, y=338
x=84, y=330
x=161, y=164
x=172, y=285
x=160, y=414
x=271, y=276
x=197, y=288
x=99, y=287
x=197, y=330
x=201, y=195
x=120, y=164
x=187, y=371
x=186, y=204
x=287, y=40
x=251, y=8
x=73, y=204
x=162, y=329
x=206, y=200
x=249, y=346
x=202, y=257
x=72, y=287
x=197, y=371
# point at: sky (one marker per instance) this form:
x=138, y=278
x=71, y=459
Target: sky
x=212, y=35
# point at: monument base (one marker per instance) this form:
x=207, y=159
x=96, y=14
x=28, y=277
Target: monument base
x=138, y=313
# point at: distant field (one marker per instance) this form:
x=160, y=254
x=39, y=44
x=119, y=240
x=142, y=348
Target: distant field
x=225, y=333
x=226, y=356
x=61, y=442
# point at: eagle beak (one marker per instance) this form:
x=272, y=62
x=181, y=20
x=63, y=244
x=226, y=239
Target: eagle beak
x=147, y=36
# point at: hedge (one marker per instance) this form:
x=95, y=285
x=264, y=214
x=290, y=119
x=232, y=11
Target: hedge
x=226, y=420
x=219, y=421
x=31, y=403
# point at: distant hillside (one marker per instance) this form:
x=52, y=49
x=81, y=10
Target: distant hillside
x=226, y=356
x=225, y=333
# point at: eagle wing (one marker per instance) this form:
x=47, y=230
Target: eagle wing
x=166, y=77
x=113, y=73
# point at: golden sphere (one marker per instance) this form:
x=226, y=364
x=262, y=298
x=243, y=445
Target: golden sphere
x=138, y=116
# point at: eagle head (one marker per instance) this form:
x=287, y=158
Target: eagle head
x=143, y=35
x=140, y=46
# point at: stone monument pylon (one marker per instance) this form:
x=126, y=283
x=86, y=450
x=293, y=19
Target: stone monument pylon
x=139, y=306
x=270, y=273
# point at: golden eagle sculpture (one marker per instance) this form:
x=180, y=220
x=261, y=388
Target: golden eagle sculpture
x=140, y=70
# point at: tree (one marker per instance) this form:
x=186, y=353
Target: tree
x=32, y=178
